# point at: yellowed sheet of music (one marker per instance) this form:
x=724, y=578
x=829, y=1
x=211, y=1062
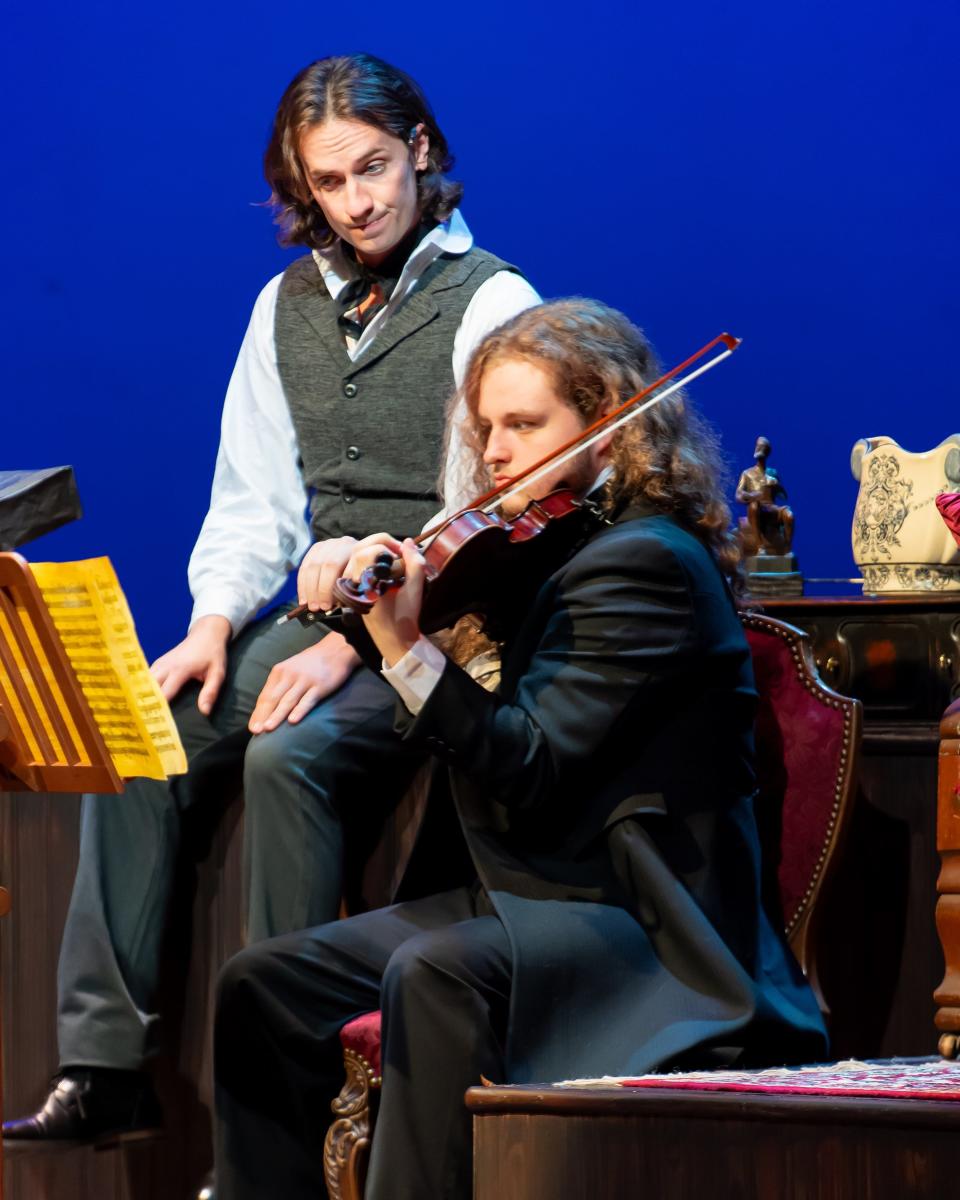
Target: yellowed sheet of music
x=93, y=619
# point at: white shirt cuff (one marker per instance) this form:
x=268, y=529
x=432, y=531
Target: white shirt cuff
x=414, y=676
x=220, y=602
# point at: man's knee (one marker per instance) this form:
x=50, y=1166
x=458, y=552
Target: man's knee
x=307, y=753
x=243, y=976
x=245, y=1016
x=415, y=968
x=267, y=758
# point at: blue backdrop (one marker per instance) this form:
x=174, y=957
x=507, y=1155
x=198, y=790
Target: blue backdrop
x=787, y=172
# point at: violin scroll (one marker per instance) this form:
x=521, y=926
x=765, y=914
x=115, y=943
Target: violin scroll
x=362, y=594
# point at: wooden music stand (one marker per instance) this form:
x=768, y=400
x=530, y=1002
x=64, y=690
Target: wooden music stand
x=40, y=750
x=49, y=741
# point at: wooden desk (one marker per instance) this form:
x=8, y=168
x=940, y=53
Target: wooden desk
x=4, y=909
x=560, y=1144
x=38, y=854
x=899, y=655
x=881, y=958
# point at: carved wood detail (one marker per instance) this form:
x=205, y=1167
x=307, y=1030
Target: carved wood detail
x=346, y=1148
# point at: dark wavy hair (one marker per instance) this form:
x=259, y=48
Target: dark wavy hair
x=597, y=359
x=354, y=87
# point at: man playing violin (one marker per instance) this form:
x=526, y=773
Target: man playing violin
x=584, y=895
x=337, y=400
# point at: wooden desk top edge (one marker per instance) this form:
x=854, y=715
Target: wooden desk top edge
x=943, y=600
x=504, y=1100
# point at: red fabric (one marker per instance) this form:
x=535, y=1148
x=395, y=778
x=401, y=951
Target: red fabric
x=932, y=1079
x=895, y=1093
x=783, y=1090
x=362, y=1035
x=799, y=738
x=949, y=506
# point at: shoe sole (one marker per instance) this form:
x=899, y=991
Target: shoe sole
x=22, y=1147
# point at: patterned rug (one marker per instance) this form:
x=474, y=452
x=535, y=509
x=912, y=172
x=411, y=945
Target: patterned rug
x=896, y=1078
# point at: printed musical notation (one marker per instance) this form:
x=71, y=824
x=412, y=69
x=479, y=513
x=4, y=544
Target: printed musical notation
x=93, y=619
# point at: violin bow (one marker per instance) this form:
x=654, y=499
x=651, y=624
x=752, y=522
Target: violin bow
x=604, y=425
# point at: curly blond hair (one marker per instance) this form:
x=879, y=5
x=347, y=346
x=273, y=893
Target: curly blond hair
x=596, y=359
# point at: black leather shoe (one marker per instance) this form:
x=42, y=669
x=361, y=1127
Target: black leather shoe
x=91, y=1105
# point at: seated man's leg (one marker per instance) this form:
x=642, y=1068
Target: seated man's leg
x=445, y=999
x=109, y=955
x=278, y=1061
x=341, y=766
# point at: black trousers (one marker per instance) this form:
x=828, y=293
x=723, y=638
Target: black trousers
x=302, y=785
x=439, y=969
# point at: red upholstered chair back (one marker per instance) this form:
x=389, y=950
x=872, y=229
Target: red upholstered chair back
x=808, y=739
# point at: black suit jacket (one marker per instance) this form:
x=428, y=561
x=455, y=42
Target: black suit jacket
x=605, y=796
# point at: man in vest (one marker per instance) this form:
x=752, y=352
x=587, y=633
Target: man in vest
x=337, y=399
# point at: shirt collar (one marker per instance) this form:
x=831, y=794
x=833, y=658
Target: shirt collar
x=600, y=480
x=449, y=237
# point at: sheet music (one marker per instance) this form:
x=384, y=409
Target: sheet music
x=93, y=619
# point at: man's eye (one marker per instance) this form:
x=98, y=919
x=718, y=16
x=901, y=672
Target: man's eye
x=377, y=167
x=326, y=184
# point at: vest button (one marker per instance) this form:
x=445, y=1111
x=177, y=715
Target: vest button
x=350, y=389
x=348, y=497
x=353, y=453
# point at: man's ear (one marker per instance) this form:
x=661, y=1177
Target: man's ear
x=419, y=146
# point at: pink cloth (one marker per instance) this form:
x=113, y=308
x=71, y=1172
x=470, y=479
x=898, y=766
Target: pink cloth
x=949, y=506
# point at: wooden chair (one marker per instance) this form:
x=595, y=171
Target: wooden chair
x=947, y=995
x=808, y=738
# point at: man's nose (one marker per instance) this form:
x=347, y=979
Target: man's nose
x=496, y=450
x=358, y=199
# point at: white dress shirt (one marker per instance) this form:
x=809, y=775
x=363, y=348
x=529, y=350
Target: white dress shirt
x=256, y=529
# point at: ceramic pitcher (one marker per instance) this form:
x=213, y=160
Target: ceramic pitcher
x=900, y=543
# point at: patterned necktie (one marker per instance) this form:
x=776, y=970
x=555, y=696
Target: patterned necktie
x=362, y=298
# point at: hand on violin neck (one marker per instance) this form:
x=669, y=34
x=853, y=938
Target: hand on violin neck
x=322, y=566
x=394, y=621
x=326, y=562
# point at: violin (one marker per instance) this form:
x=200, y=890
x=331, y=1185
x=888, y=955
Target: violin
x=477, y=561
x=497, y=561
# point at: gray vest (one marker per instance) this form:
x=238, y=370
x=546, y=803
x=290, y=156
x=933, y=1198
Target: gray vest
x=370, y=432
